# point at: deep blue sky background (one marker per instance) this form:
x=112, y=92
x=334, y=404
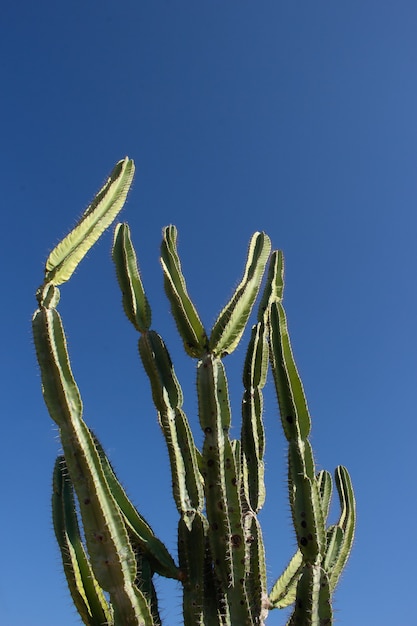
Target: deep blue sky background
x=296, y=118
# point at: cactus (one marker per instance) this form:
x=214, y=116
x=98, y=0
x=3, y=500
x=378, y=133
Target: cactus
x=218, y=490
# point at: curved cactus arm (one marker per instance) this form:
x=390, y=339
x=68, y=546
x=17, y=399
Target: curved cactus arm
x=284, y=590
x=183, y=310
x=252, y=434
x=167, y=395
x=139, y=530
x=86, y=593
x=295, y=416
x=312, y=604
x=346, y=523
x=135, y=302
x=230, y=324
x=110, y=552
x=109, y=201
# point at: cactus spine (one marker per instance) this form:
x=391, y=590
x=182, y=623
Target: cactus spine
x=218, y=490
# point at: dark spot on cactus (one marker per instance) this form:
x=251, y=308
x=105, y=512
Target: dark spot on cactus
x=289, y=419
x=302, y=514
x=310, y=537
x=87, y=501
x=303, y=541
x=228, y=463
x=215, y=526
x=304, y=523
x=182, y=576
x=207, y=430
x=234, y=481
x=220, y=506
x=210, y=462
x=236, y=541
x=242, y=602
x=242, y=581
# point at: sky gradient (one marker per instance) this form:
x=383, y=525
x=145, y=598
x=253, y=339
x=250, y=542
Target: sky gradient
x=298, y=119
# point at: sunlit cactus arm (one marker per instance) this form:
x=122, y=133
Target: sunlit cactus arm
x=309, y=494
x=108, y=546
x=151, y=547
x=346, y=524
x=108, y=202
x=252, y=434
x=184, y=312
x=166, y=390
x=86, y=593
x=107, y=542
x=167, y=396
x=231, y=322
x=135, y=302
x=284, y=590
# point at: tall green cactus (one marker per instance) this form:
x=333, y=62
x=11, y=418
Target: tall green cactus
x=218, y=490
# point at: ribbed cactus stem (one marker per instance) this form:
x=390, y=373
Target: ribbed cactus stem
x=218, y=490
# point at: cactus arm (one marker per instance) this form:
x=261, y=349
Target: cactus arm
x=284, y=590
x=88, y=598
x=230, y=324
x=108, y=546
x=292, y=403
x=184, y=312
x=274, y=286
x=167, y=396
x=252, y=434
x=255, y=583
x=140, y=531
x=144, y=580
x=221, y=487
x=109, y=201
x=135, y=302
x=191, y=552
x=346, y=522
x=166, y=390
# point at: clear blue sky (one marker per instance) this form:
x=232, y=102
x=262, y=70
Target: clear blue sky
x=296, y=118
